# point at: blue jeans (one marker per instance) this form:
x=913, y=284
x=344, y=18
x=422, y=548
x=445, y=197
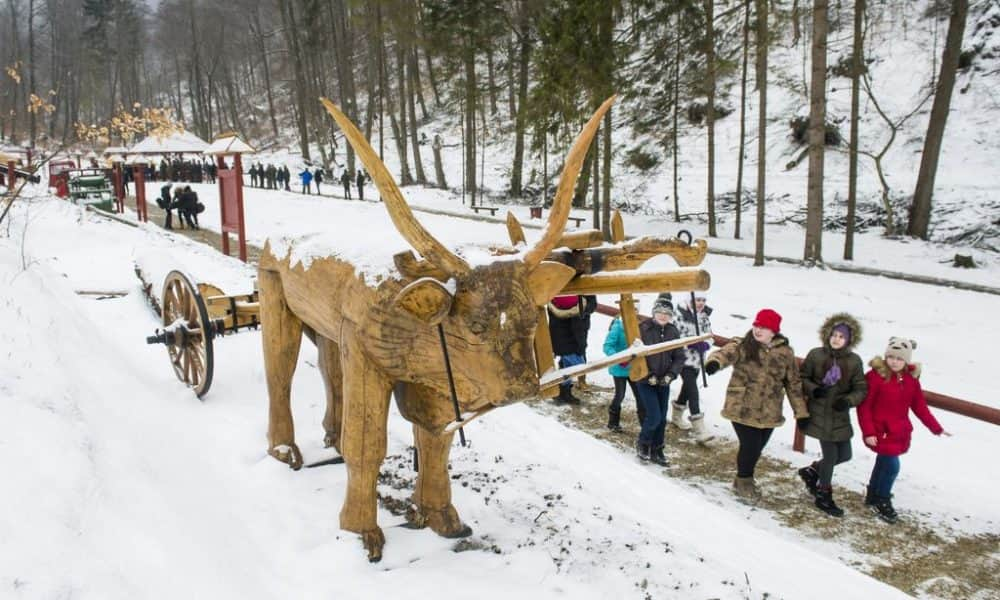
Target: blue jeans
x=884, y=475
x=570, y=360
x=654, y=400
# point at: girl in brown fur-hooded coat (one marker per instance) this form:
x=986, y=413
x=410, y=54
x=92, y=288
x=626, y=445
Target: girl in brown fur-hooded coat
x=833, y=381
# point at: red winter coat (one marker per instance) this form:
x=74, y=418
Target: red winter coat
x=885, y=412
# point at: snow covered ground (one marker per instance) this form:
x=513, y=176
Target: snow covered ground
x=121, y=484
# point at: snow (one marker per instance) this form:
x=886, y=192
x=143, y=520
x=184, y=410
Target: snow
x=128, y=486
x=121, y=484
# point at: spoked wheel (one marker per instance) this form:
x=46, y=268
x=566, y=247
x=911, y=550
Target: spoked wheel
x=188, y=332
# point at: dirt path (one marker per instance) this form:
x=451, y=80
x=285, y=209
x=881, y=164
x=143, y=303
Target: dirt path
x=908, y=555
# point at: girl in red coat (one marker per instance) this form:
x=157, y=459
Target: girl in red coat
x=884, y=417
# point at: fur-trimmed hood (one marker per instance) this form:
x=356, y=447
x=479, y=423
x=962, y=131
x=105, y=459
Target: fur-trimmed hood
x=832, y=321
x=879, y=365
x=565, y=313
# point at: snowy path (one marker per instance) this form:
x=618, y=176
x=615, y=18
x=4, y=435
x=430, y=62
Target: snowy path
x=129, y=487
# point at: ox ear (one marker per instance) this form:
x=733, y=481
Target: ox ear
x=426, y=299
x=548, y=279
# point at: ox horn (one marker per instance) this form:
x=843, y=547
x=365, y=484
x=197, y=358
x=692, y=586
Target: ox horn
x=399, y=211
x=564, y=193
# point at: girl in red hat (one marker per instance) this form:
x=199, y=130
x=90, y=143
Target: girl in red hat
x=764, y=372
x=893, y=391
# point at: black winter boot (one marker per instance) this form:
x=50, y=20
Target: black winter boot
x=563, y=397
x=883, y=508
x=570, y=398
x=614, y=419
x=810, y=477
x=644, y=451
x=657, y=456
x=870, y=497
x=824, y=501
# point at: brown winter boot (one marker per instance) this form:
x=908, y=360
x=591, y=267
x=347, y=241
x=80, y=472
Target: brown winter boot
x=746, y=490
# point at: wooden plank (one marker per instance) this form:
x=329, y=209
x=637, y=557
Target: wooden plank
x=638, y=282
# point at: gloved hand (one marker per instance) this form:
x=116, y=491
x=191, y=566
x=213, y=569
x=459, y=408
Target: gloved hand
x=666, y=379
x=711, y=367
x=803, y=422
x=820, y=391
x=652, y=380
x=840, y=404
x=700, y=347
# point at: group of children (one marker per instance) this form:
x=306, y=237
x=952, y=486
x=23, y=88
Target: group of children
x=822, y=391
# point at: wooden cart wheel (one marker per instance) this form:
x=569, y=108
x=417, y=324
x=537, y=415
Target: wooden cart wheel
x=185, y=314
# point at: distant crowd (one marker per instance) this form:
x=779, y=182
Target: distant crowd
x=273, y=177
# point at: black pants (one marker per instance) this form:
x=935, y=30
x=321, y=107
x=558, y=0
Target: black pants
x=752, y=442
x=689, y=390
x=834, y=453
x=616, y=402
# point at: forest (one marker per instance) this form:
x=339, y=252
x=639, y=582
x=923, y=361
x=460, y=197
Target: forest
x=526, y=71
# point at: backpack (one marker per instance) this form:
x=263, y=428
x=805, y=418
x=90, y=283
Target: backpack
x=199, y=208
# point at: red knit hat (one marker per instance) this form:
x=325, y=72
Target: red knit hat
x=565, y=302
x=768, y=319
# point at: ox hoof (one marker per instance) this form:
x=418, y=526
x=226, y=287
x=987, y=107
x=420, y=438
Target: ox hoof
x=445, y=522
x=332, y=440
x=288, y=454
x=374, y=540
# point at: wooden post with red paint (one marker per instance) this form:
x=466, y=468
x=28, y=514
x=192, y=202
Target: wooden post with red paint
x=231, y=189
x=139, y=179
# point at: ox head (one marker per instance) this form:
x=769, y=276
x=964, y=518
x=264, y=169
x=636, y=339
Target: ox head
x=491, y=312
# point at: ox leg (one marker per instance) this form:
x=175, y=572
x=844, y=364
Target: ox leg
x=363, y=444
x=282, y=337
x=432, y=495
x=329, y=361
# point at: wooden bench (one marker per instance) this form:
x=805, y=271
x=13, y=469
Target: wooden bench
x=577, y=221
x=492, y=209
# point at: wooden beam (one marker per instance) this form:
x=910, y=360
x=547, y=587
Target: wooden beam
x=638, y=282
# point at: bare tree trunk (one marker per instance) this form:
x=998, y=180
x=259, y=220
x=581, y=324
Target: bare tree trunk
x=762, y=47
x=406, y=178
x=32, y=116
x=852, y=177
x=920, y=210
x=415, y=83
x=743, y=120
x=606, y=155
x=596, y=208
x=291, y=40
x=414, y=141
x=676, y=111
x=813, y=252
x=431, y=78
x=796, y=25
x=469, y=60
x=710, y=110
x=520, y=120
x=345, y=71
x=511, y=86
x=491, y=85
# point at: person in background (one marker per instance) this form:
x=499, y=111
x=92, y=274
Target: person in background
x=693, y=319
x=318, y=177
x=654, y=390
x=615, y=342
x=345, y=180
x=361, y=184
x=764, y=372
x=164, y=203
x=287, y=175
x=306, y=176
x=569, y=324
x=176, y=205
x=884, y=416
x=833, y=381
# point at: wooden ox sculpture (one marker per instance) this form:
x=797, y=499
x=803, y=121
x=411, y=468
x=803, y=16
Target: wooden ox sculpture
x=374, y=340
